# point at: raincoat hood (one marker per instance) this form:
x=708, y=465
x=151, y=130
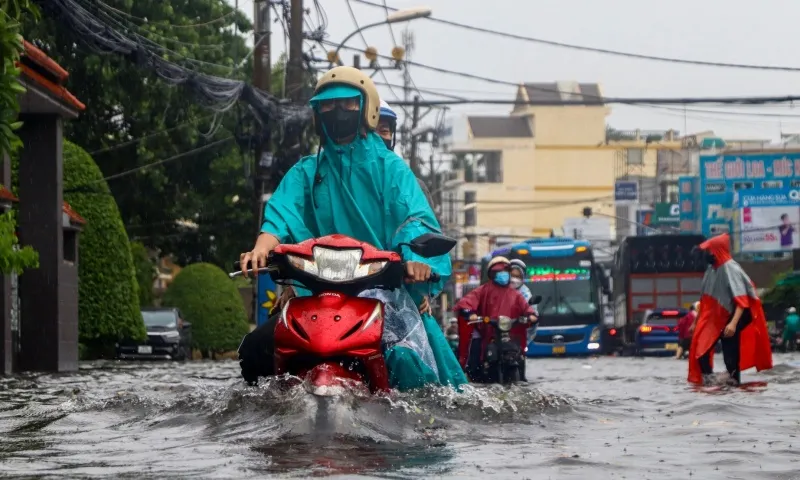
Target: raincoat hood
x=720, y=247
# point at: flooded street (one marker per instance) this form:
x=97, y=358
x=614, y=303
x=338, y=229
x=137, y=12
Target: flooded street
x=580, y=418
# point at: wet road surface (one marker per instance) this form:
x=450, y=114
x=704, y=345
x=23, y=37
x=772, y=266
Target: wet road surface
x=615, y=418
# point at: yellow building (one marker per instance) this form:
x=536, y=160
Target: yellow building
x=521, y=175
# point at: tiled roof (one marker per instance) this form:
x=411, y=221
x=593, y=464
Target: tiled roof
x=562, y=91
x=5, y=194
x=73, y=215
x=37, y=66
x=500, y=127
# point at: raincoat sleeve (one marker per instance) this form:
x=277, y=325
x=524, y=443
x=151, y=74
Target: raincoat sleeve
x=285, y=211
x=522, y=305
x=470, y=301
x=411, y=209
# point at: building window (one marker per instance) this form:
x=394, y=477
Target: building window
x=70, y=245
x=486, y=167
x=470, y=210
x=669, y=192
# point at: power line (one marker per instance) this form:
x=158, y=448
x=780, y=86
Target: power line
x=167, y=24
x=152, y=164
x=605, y=51
x=643, y=101
x=146, y=137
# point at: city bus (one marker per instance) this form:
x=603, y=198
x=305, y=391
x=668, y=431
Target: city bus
x=654, y=272
x=573, y=288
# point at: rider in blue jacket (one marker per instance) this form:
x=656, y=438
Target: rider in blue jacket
x=356, y=186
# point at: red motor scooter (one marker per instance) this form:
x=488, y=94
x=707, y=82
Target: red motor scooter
x=333, y=338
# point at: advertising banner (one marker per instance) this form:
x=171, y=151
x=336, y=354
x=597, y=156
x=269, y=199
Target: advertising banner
x=666, y=215
x=688, y=204
x=723, y=175
x=626, y=192
x=767, y=220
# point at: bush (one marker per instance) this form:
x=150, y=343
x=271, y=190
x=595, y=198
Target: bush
x=146, y=273
x=108, y=306
x=209, y=300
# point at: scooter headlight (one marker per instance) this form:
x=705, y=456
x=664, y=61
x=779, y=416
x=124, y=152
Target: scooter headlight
x=336, y=265
x=505, y=324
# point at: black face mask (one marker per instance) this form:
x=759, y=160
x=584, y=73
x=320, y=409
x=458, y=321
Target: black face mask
x=711, y=259
x=340, y=123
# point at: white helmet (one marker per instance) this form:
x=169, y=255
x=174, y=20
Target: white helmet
x=386, y=110
x=792, y=310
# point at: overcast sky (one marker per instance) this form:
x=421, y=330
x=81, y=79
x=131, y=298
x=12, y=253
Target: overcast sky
x=731, y=31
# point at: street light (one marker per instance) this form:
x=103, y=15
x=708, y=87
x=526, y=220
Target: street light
x=405, y=15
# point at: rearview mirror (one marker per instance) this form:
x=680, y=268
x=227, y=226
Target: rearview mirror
x=536, y=300
x=432, y=245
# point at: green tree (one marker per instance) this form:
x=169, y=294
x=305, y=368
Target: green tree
x=219, y=320
x=146, y=273
x=13, y=258
x=108, y=306
x=127, y=102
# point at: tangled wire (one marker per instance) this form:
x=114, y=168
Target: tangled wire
x=216, y=93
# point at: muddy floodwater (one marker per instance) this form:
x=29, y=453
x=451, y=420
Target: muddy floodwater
x=597, y=418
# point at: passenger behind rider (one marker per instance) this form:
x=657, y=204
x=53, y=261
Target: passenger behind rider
x=354, y=186
x=518, y=268
x=492, y=299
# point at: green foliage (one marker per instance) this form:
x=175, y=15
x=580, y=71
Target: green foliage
x=146, y=273
x=14, y=259
x=134, y=118
x=11, y=11
x=784, y=293
x=210, y=301
x=108, y=306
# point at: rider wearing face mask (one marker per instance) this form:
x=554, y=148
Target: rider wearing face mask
x=492, y=299
x=730, y=310
x=518, y=268
x=356, y=187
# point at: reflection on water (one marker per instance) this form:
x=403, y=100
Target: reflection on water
x=580, y=418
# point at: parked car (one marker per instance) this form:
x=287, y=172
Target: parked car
x=168, y=337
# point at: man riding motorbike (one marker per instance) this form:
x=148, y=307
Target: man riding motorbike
x=492, y=299
x=356, y=187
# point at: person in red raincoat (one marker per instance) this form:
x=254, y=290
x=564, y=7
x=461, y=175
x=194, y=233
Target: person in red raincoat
x=492, y=299
x=731, y=311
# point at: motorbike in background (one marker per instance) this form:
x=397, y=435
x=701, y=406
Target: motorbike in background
x=504, y=358
x=333, y=338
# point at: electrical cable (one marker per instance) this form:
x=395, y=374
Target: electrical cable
x=125, y=173
x=145, y=137
x=165, y=24
x=366, y=45
x=605, y=51
x=216, y=93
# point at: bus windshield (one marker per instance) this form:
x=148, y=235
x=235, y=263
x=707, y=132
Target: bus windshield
x=566, y=285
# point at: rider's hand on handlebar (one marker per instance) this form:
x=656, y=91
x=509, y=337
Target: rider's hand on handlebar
x=258, y=255
x=473, y=317
x=417, y=272
x=533, y=319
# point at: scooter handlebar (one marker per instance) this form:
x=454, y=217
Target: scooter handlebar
x=434, y=278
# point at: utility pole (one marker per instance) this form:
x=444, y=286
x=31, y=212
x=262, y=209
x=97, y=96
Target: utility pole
x=295, y=78
x=408, y=46
x=262, y=79
x=413, y=157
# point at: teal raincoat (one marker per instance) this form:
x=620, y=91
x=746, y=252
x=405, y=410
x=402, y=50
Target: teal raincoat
x=367, y=192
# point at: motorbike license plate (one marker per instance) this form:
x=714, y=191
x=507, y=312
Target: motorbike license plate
x=559, y=350
x=671, y=346
x=145, y=349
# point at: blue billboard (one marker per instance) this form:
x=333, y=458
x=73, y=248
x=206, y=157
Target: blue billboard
x=723, y=175
x=266, y=298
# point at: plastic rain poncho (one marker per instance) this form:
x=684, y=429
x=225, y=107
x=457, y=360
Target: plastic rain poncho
x=367, y=192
